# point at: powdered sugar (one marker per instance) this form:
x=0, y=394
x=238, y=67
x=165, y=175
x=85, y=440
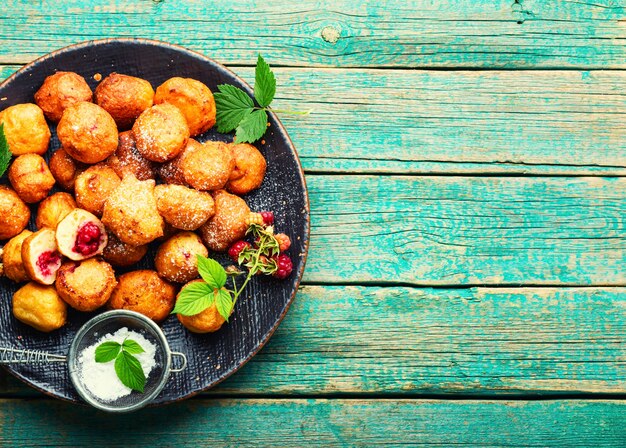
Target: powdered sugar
x=100, y=379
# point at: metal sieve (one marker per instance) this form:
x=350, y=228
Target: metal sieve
x=87, y=335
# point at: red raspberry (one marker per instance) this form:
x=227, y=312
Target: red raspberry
x=236, y=249
x=285, y=266
x=283, y=241
x=268, y=218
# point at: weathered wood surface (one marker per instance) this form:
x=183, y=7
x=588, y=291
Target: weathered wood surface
x=516, y=122
x=236, y=422
x=370, y=341
x=397, y=33
x=467, y=230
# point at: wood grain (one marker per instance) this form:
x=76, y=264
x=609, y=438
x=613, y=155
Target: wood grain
x=463, y=122
x=369, y=341
x=235, y=422
x=453, y=33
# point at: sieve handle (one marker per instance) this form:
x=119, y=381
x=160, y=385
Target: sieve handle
x=183, y=362
x=21, y=356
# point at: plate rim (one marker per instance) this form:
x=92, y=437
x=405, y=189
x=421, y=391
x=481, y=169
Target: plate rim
x=283, y=131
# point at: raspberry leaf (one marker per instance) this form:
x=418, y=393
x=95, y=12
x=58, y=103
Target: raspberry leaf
x=107, y=351
x=252, y=127
x=5, y=153
x=224, y=303
x=211, y=272
x=132, y=346
x=264, y=83
x=130, y=372
x=194, y=298
x=232, y=106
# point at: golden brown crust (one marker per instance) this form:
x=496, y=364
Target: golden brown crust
x=176, y=259
x=87, y=132
x=128, y=160
x=207, y=167
x=121, y=254
x=64, y=169
x=170, y=171
x=228, y=224
x=249, y=169
x=12, y=258
x=40, y=307
x=131, y=212
x=193, y=98
x=14, y=213
x=85, y=285
x=207, y=321
x=53, y=209
x=25, y=129
x=124, y=97
x=144, y=292
x=40, y=256
x=60, y=91
x=182, y=207
x=94, y=185
x=161, y=132
x=30, y=177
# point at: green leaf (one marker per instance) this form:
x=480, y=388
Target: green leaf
x=252, y=127
x=107, y=351
x=194, y=298
x=224, y=303
x=5, y=152
x=232, y=105
x=211, y=272
x=131, y=346
x=264, y=83
x=130, y=372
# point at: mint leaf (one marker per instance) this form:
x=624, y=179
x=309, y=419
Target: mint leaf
x=194, y=298
x=211, y=272
x=107, y=351
x=224, y=303
x=131, y=346
x=264, y=83
x=252, y=127
x=5, y=152
x=232, y=105
x=130, y=372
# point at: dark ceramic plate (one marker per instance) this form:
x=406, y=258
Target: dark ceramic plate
x=212, y=357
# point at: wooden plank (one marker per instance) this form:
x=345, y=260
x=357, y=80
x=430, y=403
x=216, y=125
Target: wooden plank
x=516, y=122
x=481, y=341
x=236, y=422
x=467, y=230
x=395, y=33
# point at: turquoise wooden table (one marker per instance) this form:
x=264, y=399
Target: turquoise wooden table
x=466, y=163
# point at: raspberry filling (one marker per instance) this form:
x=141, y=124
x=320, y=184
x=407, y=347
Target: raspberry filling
x=87, y=239
x=48, y=260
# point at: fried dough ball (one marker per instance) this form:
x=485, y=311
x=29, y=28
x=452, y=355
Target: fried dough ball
x=86, y=285
x=161, y=132
x=12, y=258
x=182, y=207
x=176, y=259
x=249, y=169
x=60, y=91
x=14, y=213
x=194, y=100
x=31, y=178
x=53, y=209
x=207, y=167
x=87, y=132
x=94, y=185
x=41, y=257
x=207, y=321
x=81, y=235
x=25, y=129
x=228, y=224
x=121, y=254
x=131, y=212
x=170, y=172
x=127, y=159
x=40, y=307
x=124, y=97
x=144, y=292
x=64, y=169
